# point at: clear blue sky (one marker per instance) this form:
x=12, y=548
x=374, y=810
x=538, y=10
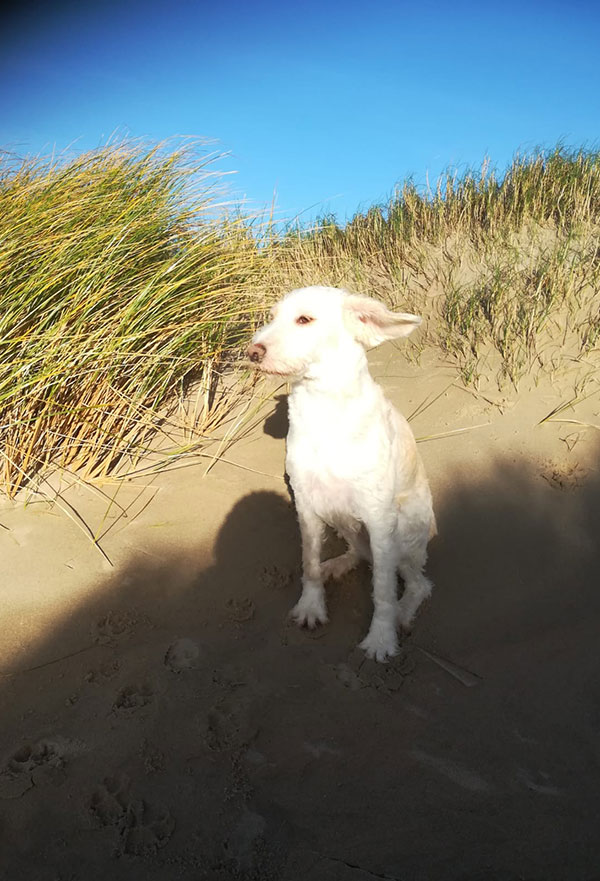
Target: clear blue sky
x=326, y=103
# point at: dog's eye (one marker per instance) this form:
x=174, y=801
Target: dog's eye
x=304, y=319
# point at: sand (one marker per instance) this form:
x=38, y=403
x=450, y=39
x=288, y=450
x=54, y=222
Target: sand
x=161, y=719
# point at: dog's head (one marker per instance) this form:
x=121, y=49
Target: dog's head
x=320, y=326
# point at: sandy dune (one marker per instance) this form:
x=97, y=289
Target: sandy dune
x=162, y=720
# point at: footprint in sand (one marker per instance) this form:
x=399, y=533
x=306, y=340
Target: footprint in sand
x=115, y=626
x=228, y=726
x=34, y=765
x=246, y=843
x=141, y=828
x=147, y=828
x=133, y=698
x=240, y=610
x=564, y=476
x=108, y=803
x=152, y=756
x=182, y=655
x=275, y=577
x=103, y=674
x=359, y=672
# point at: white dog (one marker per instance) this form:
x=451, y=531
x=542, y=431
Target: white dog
x=351, y=457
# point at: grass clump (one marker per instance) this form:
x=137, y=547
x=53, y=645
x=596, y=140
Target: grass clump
x=118, y=286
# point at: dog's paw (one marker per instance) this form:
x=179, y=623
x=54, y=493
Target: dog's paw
x=381, y=642
x=336, y=567
x=405, y=617
x=310, y=610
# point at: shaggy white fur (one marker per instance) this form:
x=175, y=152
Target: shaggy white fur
x=351, y=456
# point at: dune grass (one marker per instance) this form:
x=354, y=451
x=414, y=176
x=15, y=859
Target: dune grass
x=120, y=284
x=506, y=269
x=124, y=282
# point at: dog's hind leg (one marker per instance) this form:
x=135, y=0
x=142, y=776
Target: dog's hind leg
x=417, y=588
x=358, y=549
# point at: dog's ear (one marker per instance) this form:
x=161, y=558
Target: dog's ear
x=370, y=322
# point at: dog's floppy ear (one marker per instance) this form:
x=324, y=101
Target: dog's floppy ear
x=370, y=322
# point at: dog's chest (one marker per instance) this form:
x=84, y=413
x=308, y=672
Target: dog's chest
x=338, y=451
x=328, y=474
x=332, y=496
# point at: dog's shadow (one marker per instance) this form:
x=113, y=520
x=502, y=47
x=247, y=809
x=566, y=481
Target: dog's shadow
x=276, y=425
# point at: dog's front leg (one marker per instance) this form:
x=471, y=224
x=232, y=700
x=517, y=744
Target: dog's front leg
x=310, y=609
x=381, y=641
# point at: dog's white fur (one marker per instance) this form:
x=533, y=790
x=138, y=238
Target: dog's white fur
x=351, y=456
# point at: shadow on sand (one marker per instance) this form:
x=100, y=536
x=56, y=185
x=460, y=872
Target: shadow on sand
x=178, y=727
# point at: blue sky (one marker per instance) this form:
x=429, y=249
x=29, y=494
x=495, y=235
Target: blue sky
x=325, y=104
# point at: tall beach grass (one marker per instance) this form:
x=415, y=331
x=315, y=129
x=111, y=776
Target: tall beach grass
x=124, y=281
x=120, y=282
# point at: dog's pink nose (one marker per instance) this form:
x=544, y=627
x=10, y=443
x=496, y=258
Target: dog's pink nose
x=256, y=352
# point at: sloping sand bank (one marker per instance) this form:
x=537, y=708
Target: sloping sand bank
x=161, y=720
